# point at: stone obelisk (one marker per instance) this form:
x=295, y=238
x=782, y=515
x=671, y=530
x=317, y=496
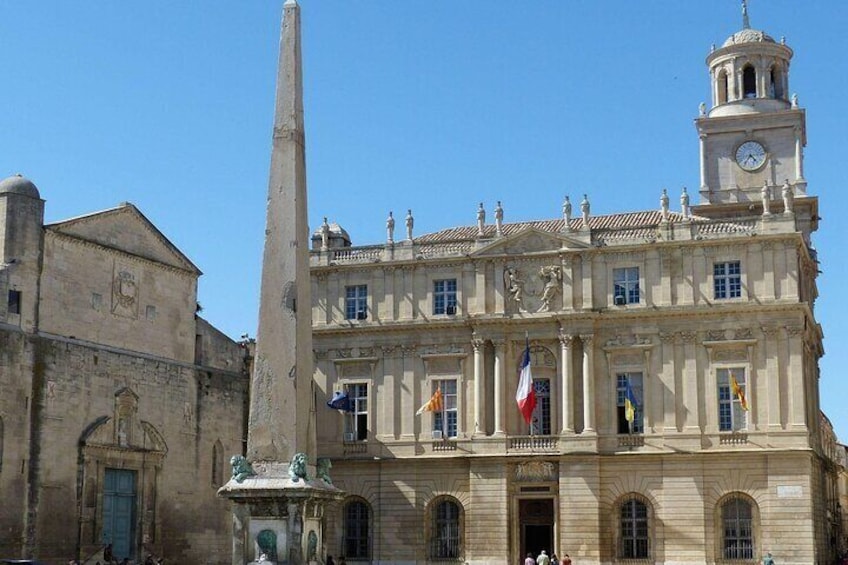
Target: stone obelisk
x=281, y=394
x=278, y=502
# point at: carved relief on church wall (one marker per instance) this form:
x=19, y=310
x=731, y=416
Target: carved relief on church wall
x=125, y=280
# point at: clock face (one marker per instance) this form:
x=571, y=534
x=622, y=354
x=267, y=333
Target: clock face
x=751, y=155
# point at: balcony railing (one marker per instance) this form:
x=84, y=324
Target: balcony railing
x=735, y=438
x=533, y=443
x=631, y=440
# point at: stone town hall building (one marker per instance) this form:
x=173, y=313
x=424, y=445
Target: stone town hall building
x=119, y=404
x=695, y=308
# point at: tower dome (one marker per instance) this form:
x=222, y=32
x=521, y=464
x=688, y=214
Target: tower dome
x=749, y=73
x=18, y=184
x=748, y=35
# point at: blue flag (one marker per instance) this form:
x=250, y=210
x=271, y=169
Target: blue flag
x=340, y=401
x=630, y=404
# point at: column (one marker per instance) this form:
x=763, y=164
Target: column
x=702, y=145
x=406, y=392
x=667, y=374
x=588, y=384
x=480, y=288
x=499, y=385
x=796, y=391
x=567, y=386
x=477, y=344
x=690, y=381
x=586, y=275
x=390, y=294
x=799, y=156
x=771, y=371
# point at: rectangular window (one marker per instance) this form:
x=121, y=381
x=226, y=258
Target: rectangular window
x=624, y=426
x=731, y=414
x=14, y=302
x=727, y=280
x=540, y=424
x=356, y=302
x=445, y=421
x=444, y=297
x=96, y=301
x=356, y=422
x=626, y=285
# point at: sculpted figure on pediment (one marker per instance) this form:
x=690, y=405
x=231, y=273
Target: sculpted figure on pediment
x=514, y=285
x=552, y=277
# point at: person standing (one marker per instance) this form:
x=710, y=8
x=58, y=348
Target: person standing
x=566, y=560
x=543, y=558
x=529, y=560
x=767, y=560
x=554, y=559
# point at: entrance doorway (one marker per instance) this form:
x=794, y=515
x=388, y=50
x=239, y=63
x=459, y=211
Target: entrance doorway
x=119, y=512
x=536, y=517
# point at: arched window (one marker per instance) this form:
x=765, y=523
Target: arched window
x=737, y=526
x=634, y=530
x=445, y=536
x=722, y=87
x=217, y=464
x=776, y=83
x=357, y=533
x=749, y=82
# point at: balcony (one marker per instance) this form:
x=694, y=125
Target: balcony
x=534, y=444
x=735, y=438
x=631, y=440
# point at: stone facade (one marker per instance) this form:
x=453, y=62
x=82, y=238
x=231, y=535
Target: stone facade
x=120, y=405
x=703, y=319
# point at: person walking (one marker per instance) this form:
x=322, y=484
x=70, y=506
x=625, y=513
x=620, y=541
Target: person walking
x=767, y=560
x=543, y=558
x=529, y=560
x=566, y=560
x=554, y=559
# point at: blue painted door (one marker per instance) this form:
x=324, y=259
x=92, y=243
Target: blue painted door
x=119, y=512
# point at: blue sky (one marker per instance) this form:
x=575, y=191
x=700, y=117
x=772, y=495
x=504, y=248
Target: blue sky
x=433, y=106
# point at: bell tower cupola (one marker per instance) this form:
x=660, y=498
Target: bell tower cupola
x=754, y=132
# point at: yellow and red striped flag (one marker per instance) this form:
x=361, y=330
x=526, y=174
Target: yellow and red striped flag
x=738, y=392
x=432, y=405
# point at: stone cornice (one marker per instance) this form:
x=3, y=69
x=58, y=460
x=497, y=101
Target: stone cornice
x=121, y=253
x=606, y=251
x=574, y=319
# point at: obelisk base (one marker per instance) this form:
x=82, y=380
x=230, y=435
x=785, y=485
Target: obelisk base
x=278, y=520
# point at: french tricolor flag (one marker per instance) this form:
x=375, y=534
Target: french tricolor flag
x=525, y=396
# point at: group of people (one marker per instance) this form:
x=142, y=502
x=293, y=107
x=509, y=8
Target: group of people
x=545, y=559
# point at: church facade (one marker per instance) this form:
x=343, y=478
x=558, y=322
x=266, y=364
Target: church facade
x=674, y=359
x=120, y=406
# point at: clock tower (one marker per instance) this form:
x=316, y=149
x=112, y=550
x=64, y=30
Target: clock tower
x=754, y=133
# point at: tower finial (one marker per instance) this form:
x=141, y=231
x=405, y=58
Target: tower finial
x=745, y=23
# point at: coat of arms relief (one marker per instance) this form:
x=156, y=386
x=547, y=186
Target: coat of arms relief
x=533, y=289
x=125, y=292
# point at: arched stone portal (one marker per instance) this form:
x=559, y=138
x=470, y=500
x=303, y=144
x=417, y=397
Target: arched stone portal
x=120, y=461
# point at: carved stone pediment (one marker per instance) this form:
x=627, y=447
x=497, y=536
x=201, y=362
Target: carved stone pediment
x=530, y=240
x=132, y=435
